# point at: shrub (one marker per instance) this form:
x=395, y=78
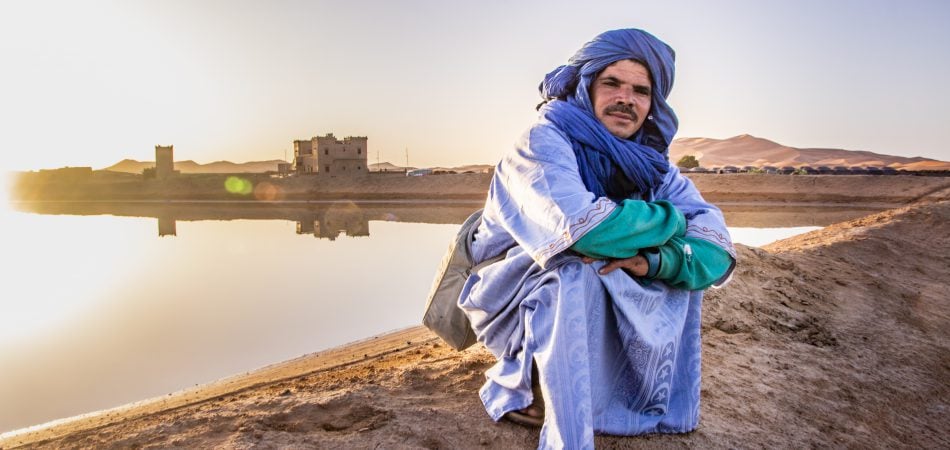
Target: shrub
x=687, y=162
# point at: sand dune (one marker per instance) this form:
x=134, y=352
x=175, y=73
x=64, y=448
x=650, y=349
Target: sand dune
x=835, y=338
x=746, y=150
x=188, y=166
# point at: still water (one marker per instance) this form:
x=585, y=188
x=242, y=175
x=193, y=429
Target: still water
x=108, y=303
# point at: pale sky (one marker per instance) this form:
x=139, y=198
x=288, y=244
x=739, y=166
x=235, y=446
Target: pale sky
x=88, y=83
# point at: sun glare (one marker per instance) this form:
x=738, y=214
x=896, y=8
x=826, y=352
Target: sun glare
x=5, y=180
x=41, y=292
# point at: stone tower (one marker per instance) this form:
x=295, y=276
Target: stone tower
x=164, y=161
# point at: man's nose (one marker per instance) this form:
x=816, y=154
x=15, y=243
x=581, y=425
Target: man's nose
x=625, y=97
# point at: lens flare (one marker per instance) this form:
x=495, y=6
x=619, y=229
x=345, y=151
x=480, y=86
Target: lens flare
x=267, y=192
x=238, y=185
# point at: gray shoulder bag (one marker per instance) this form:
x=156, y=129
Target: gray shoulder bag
x=443, y=315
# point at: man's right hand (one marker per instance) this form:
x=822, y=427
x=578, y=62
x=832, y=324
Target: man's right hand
x=636, y=266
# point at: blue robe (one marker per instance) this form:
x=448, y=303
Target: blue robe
x=614, y=355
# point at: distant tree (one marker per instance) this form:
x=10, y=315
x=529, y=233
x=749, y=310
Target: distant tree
x=687, y=162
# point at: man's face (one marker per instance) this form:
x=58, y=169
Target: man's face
x=621, y=95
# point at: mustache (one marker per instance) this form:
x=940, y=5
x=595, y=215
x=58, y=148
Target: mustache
x=622, y=108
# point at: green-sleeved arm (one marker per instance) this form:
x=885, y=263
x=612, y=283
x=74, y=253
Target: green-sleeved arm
x=692, y=263
x=634, y=225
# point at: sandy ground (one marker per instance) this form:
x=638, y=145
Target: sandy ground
x=821, y=188
x=835, y=338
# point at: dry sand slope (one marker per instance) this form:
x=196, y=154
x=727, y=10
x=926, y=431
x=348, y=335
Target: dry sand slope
x=835, y=338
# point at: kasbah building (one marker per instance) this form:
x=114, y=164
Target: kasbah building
x=329, y=156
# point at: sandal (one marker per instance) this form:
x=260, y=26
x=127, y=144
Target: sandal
x=525, y=418
x=533, y=414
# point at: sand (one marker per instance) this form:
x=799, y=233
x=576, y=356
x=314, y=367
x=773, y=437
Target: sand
x=746, y=150
x=835, y=338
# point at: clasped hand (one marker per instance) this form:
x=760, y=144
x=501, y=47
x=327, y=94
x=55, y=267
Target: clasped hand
x=636, y=266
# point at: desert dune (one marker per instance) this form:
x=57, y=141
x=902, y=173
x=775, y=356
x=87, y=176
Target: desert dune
x=747, y=150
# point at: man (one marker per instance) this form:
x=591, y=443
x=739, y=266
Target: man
x=587, y=190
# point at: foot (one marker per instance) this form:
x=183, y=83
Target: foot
x=533, y=411
x=531, y=416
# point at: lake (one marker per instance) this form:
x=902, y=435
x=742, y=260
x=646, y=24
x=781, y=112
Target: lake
x=107, y=303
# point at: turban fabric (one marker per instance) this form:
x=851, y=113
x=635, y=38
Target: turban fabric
x=611, y=166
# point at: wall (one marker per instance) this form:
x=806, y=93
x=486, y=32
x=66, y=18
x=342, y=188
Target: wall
x=303, y=157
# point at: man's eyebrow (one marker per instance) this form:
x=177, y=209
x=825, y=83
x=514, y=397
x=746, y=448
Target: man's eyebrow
x=610, y=78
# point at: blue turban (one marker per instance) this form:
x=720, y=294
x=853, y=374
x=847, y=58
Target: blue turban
x=611, y=166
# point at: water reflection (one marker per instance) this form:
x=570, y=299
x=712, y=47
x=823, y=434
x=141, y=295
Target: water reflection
x=327, y=220
x=97, y=311
x=167, y=226
x=329, y=223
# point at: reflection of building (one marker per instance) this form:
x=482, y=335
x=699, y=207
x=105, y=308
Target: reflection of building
x=322, y=223
x=164, y=162
x=306, y=226
x=328, y=155
x=167, y=226
x=330, y=223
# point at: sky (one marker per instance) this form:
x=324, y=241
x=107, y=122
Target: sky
x=448, y=82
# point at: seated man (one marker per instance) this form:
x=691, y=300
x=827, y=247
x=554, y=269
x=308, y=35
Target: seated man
x=589, y=189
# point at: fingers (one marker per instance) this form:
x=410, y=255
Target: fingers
x=611, y=266
x=587, y=259
x=636, y=266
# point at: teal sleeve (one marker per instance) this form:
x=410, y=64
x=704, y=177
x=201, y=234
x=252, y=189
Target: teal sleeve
x=634, y=225
x=692, y=263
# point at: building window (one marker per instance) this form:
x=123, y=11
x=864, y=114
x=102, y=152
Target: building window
x=326, y=151
x=359, y=151
x=326, y=168
x=358, y=168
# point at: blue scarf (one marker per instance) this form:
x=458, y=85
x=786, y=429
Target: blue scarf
x=610, y=166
